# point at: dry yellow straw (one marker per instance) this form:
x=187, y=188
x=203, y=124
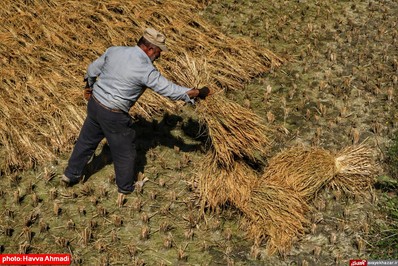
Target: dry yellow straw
x=276, y=214
x=306, y=170
x=356, y=169
x=235, y=132
x=275, y=205
x=218, y=185
x=46, y=54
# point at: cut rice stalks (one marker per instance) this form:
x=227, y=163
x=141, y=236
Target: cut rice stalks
x=355, y=170
x=46, y=54
x=275, y=214
x=235, y=132
x=306, y=170
x=275, y=205
x=218, y=185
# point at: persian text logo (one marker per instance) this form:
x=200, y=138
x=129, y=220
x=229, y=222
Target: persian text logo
x=358, y=263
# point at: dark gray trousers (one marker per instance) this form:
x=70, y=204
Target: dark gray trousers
x=117, y=128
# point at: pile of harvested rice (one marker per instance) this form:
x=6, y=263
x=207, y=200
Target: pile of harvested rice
x=275, y=205
x=305, y=169
x=47, y=45
x=274, y=212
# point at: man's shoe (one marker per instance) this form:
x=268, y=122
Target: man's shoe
x=69, y=181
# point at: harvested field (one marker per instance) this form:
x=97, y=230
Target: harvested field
x=321, y=75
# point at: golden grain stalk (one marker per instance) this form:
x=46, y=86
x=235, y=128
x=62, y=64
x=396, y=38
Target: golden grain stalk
x=355, y=169
x=234, y=131
x=218, y=185
x=305, y=169
x=275, y=213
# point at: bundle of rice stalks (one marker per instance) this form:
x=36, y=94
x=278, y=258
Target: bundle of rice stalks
x=308, y=169
x=276, y=214
x=218, y=186
x=305, y=169
x=235, y=132
x=355, y=170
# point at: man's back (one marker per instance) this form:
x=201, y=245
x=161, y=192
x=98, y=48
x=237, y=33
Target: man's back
x=122, y=73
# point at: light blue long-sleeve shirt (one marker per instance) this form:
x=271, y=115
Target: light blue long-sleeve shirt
x=120, y=76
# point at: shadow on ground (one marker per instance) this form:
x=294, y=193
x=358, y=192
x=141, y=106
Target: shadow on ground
x=149, y=134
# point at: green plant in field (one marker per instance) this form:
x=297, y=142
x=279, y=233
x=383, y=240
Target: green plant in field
x=392, y=157
x=386, y=244
x=386, y=233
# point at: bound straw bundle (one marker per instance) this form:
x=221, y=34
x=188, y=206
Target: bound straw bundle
x=218, y=185
x=355, y=170
x=235, y=132
x=306, y=170
x=276, y=214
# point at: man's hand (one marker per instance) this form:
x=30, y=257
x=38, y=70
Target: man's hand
x=87, y=92
x=203, y=93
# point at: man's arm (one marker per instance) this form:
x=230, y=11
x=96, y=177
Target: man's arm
x=166, y=88
x=94, y=69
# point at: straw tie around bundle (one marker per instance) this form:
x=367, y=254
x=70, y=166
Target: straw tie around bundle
x=355, y=169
